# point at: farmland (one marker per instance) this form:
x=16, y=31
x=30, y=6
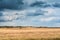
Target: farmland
x=30, y=33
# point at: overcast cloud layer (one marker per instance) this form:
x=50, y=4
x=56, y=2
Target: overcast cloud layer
x=30, y=13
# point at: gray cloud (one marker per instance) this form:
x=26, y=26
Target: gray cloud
x=21, y=4
x=36, y=13
x=11, y=4
x=45, y=4
x=40, y=4
x=1, y=14
x=56, y=5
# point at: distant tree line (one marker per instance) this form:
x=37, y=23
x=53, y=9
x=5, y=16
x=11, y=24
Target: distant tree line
x=26, y=27
x=11, y=27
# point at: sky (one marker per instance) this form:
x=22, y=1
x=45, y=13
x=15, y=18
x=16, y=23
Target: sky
x=30, y=13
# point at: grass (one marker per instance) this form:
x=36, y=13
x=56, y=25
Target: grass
x=45, y=39
x=30, y=34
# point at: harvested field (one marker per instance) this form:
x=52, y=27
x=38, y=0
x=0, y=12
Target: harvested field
x=30, y=34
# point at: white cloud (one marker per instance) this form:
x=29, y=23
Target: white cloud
x=49, y=11
x=48, y=19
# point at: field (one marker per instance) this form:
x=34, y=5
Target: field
x=30, y=34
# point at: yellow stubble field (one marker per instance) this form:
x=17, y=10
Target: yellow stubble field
x=30, y=34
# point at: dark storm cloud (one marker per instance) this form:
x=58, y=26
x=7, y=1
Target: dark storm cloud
x=11, y=4
x=56, y=5
x=40, y=4
x=20, y=4
x=37, y=13
x=45, y=4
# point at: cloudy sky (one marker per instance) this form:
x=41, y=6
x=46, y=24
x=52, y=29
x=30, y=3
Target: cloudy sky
x=30, y=13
